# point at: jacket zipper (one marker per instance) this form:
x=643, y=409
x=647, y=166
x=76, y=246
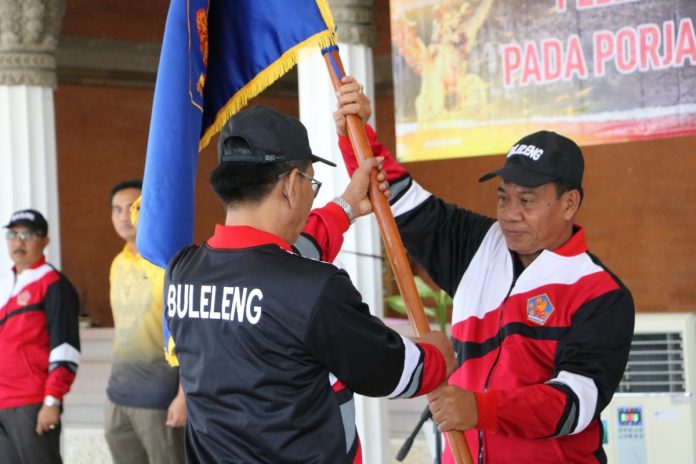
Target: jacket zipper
x=495, y=361
x=6, y=303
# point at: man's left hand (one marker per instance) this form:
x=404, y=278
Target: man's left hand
x=351, y=100
x=48, y=419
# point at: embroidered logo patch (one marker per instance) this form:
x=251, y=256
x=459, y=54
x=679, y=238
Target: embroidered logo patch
x=539, y=308
x=23, y=298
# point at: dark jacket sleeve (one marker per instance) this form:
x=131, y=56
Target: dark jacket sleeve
x=367, y=356
x=62, y=322
x=598, y=343
x=443, y=239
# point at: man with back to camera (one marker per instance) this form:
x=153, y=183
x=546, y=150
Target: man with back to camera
x=39, y=342
x=541, y=327
x=145, y=411
x=271, y=345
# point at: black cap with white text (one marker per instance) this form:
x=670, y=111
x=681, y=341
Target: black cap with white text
x=29, y=218
x=540, y=158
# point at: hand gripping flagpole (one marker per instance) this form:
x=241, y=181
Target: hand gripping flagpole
x=390, y=235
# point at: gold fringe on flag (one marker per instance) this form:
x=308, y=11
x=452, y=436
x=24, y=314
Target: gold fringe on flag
x=325, y=11
x=271, y=74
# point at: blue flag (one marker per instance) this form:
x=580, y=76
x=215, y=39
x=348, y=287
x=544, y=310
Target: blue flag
x=216, y=55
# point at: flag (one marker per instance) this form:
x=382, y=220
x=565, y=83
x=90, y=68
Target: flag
x=216, y=55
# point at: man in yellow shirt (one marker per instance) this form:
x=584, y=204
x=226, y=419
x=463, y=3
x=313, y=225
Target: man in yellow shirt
x=145, y=411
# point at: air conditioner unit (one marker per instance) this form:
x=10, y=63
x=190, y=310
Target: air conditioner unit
x=652, y=417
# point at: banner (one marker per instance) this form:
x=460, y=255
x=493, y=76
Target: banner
x=471, y=78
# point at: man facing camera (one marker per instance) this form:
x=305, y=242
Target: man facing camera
x=145, y=411
x=541, y=326
x=39, y=345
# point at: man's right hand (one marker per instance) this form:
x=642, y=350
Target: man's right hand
x=47, y=419
x=356, y=191
x=453, y=408
x=442, y=342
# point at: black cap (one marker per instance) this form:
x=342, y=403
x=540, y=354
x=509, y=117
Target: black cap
x=272, y=137
x=540, y=158
x=29, y=218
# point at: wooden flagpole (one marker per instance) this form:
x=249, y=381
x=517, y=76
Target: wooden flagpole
x=390, y=235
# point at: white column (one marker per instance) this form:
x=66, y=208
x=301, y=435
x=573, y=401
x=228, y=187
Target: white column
x=28, y=170
x=362, y=249
x=361, y=252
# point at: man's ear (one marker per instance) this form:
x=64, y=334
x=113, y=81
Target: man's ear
x=290, y=188
x=571, y=203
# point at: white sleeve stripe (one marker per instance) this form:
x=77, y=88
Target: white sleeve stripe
x=412, y=355
x=414, y=196
x=348, y=419
x=64, y=353
x=586, y=391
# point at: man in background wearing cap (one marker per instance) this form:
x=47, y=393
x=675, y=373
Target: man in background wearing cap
x=271, y=345
x=541, y=327
x=39, y=345
x=145, y=411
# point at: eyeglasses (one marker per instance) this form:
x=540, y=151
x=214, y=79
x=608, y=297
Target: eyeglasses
x=25, y=236
x=316, y=185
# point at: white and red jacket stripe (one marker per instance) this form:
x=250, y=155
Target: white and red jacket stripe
x=39, y=335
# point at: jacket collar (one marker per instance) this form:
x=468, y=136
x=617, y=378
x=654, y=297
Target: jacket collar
x=236, y=237
x=39, y=262
x=575, y=245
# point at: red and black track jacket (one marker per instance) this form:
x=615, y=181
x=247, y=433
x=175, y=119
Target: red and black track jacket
x=262, y=335
x=39, y=335
x=544, y=347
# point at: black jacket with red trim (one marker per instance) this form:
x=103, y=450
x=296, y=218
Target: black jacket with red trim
x=39, y=335
x=262, y=335
x=544, y=347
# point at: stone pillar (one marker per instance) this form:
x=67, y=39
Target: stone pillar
x=361, y=252
x=29, y=32
x=354, y=22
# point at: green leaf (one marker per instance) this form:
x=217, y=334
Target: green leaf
x=396, y=302
x=423, y=289
x=441, y=298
